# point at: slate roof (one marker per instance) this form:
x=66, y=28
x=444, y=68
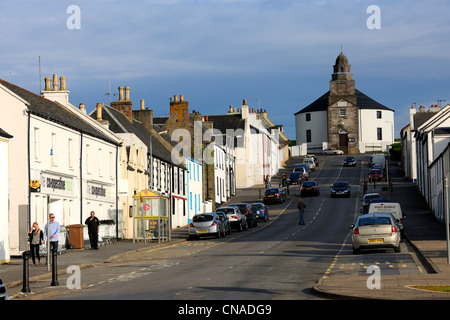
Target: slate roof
x=119, y=123
x=364, y=102
x=55, y=112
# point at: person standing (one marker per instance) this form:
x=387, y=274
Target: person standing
x=93, y=228
x=301, y=207
x=283, y=180
x=36, y=236
x=53, y=229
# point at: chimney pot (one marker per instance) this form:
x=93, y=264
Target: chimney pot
x=82, y=108
x=48, y=85
x=55, y=82
x=127, y=93
x=62, y=80
x=142, y=104
x=181, y=97
x=120, y=93
x=244, y=102
x=99, y=111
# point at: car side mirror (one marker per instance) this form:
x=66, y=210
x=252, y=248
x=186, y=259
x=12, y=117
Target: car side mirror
x=351, y=226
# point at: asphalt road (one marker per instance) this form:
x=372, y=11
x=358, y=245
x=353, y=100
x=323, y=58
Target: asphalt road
x=278, y=259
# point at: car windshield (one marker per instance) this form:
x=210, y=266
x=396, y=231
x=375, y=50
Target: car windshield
x=257, y=206
x=369, y=221
x=294, y=175
x=203, y=218
x=272, y=191
x=309, y=184
x=350, y=159
x=225, y=210
x=340, y=185
x=241, y=207
x=372, y=196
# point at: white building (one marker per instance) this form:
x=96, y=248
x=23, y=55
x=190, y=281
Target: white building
x=4, y=196
x=345, y=118
x=56, y=146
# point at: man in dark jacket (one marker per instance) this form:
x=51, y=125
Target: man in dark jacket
x=301, y=207
x=93, y=228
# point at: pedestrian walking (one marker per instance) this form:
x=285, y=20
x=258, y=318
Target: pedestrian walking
x=53, y=229
x=283, y=180
x=35, y=236
x=301, y=207
x=93, y=228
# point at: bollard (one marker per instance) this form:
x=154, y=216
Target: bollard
x=54, y=267
x=26, y=285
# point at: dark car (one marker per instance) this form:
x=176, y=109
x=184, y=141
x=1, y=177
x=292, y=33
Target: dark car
x=261, y=211
x=340, y=189
x=226, y=222
x=274, y=195
x=309, y=188
x=295, y=178
x=247, y=210
x=350, y=161
x=3, y=293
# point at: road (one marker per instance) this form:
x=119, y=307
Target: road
x=277, y=260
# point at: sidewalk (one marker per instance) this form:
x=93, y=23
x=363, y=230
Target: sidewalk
x=425, y=233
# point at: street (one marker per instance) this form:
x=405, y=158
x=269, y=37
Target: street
x=277, y=260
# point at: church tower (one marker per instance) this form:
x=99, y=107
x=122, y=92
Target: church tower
x=343, y=131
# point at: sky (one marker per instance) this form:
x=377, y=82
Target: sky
x=278, y=55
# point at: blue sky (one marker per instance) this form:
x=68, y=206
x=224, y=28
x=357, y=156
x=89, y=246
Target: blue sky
x=278, y=55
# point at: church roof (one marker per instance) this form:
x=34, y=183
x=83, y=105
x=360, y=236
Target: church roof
x=363, y=101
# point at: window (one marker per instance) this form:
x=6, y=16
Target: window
x=342, y=112
x=308, y=135
x=36, y=143
x=308, y=117
x=379, y=134
x=378, y=114
x=70, y=153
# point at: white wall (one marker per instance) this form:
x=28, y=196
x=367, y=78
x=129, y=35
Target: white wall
x=318, y=126
x=4, y=195
x=368, y=124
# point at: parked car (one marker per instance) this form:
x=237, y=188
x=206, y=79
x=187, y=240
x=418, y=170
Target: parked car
x=274, y=195
x=350, y=161
x=295, y=178
x=375, y=175
x=375, y=230
x=3, y=292
x=309, y=188
x=330, y=151
x=206, y=224
x=340, y=189
x=261, y=211
x=237, y=220
x=366, y=199
x=226, y=222
x=249, y=213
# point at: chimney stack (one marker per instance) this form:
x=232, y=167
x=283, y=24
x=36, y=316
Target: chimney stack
x=124, y=105
x=120, y=93
x=82, y=108
x=48, y=84
x=62, y=81
x=99, y=111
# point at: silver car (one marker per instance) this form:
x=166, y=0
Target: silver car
x=206, y=224
x=237, y=220
x=330, y=151
x=375, y=230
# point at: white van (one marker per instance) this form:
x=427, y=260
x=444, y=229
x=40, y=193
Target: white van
x=389, y=207
x=310, y=162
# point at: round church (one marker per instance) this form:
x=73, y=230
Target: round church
x=345, y=118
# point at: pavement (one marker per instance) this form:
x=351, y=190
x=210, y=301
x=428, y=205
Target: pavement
x=423, y=232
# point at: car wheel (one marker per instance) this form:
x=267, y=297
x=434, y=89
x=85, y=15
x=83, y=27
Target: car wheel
x=240, y=226
x=397, y=249
x=355, y=251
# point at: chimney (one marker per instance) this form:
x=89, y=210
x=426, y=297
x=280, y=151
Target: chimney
x=104, y=123
x=179, y=110
x=82, y=108
x=58, y=95
x=142, y=104
x=125, y=106
x=421, y=109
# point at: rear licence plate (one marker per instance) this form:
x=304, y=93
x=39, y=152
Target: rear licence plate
x=376, y=240
x=271, y=195
x=202, y=231
x=308, y=188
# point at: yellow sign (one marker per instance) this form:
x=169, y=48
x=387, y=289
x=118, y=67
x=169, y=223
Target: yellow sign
x=35, y=185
